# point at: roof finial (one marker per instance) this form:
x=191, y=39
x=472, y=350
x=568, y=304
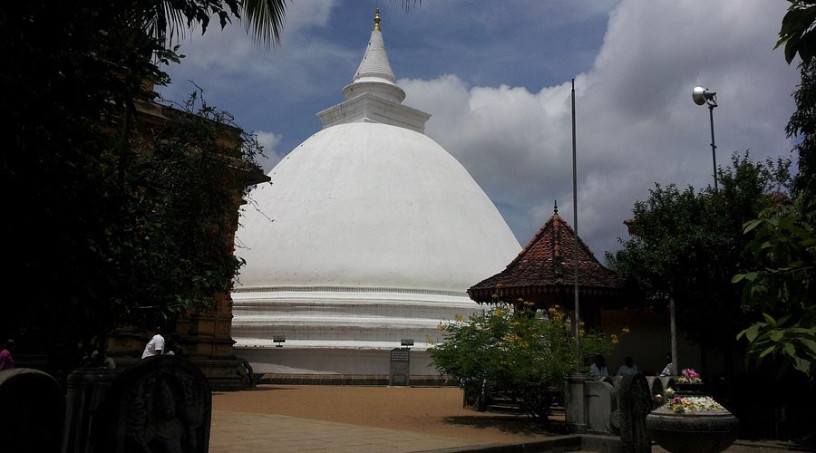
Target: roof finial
x=377, y=20
x=555, y=209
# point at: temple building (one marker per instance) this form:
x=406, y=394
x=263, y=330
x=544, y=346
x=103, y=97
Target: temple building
x=544, y=273
x=367, y=237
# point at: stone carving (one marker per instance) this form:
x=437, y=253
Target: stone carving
x=32, y=409
x=161, y=405
x=635, y=405
x=601, y=400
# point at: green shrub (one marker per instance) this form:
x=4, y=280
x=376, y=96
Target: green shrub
x=521, y=353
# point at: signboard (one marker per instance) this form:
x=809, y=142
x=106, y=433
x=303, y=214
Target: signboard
x=400, y=366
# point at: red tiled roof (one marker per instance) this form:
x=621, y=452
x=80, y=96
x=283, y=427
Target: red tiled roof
x=547, y=266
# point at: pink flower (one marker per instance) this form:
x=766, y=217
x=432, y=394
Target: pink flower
x=691, y=374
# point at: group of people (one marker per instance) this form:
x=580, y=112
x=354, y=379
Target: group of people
x=598, y=368
x=155, y=346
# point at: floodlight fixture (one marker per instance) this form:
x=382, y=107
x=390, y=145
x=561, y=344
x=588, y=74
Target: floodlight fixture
x=703, y=96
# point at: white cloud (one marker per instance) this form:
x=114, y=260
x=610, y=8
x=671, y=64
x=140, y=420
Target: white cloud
x=496, y=80
x=636, y=122
x=272, y=156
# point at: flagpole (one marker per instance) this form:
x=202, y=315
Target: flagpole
x=575, y=244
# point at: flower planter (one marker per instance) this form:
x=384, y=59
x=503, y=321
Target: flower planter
x=688, y=388
x=699, y=432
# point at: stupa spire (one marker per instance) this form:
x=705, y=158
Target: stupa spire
x=373, y=95
x=374, y=73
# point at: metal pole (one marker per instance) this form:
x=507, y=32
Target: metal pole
x=673, y=337
x=713, y=146
x=575, y=246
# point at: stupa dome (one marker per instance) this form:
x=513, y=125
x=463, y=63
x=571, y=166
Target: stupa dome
x=375, y=206
x=369, y=232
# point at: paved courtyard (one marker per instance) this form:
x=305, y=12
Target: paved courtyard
x=310, y=418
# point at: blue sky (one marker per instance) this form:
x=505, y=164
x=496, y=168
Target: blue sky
x=496, y=78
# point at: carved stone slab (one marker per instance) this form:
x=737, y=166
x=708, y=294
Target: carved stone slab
x=161, y=405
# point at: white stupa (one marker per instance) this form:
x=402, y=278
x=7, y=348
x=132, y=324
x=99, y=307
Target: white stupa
x=368, y=234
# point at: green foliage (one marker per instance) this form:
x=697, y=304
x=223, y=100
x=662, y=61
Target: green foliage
x=784, y=343
x=518, y=353
x=781, y=286
x=802, y=128
x=797, y=33
x=101, y=225
x=264, y=19
x=181, y=209
x=688, y=245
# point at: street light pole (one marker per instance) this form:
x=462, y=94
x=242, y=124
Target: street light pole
x=578, y=358
x=702, y=96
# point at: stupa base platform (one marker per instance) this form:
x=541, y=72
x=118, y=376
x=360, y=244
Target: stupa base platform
x=333, y=363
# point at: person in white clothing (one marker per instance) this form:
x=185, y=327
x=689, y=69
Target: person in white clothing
x=668, y=371
x=156, y=344
x=628, y=367
x=598, y=368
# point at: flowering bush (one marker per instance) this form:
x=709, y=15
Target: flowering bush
x=690, y=376
x=516, y=351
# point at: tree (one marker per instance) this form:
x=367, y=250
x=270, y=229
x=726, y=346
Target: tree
x=687, y=245
x=517, y=352
x=802, y=128
x=782, y=244
x=166, y=20
x=96, y=226
x=783, y=288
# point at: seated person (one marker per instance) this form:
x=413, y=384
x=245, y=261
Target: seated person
x=628, y=367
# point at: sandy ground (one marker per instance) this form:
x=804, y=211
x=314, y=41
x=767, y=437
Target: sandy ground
x=436, y=411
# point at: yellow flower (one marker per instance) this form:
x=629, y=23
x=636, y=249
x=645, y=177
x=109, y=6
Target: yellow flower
x=459, y=318
x=615, y=339
x=625, y=330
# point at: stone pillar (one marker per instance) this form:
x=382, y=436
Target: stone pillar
x=576, y=403
x=206, y=339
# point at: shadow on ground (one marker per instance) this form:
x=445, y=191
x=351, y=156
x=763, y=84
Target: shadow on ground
x=265, y=388
x=518, y=425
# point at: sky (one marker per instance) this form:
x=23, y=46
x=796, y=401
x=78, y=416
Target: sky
x=497, y=79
